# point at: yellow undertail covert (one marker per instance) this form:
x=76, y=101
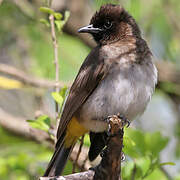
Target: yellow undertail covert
x=74, y=131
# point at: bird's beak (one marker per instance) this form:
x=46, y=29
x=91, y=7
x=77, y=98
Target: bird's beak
x=89, y=29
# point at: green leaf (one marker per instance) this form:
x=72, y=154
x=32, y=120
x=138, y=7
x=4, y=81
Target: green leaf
x=127, y=170
x=144, y=164
x=59, y=24
x=42, y=122
x=137, y=137
x=129, y=147
x=57, y=97
x=155, y=142
x=46, y=22
x=63, y=91
x=167, y=163
x=58, y=16
x=66, y=16
x=86, y=140
x=153, y=165
x=139, y=173
x=46, y=10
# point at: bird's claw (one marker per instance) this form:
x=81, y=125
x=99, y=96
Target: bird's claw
x=123, y=157
x=120, y=116
x=125, y=122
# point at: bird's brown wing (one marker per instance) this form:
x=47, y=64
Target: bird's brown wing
x=92, y=71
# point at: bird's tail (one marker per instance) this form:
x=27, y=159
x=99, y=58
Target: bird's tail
x=59, y=159
x=64, y=146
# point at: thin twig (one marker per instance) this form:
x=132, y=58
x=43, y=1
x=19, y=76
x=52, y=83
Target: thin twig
x=83, y=167
x=79, y=152
x=83, y=161
x=55, y=45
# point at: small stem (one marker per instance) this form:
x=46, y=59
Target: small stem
x=56, y=63
x=79, y=151
x=134, y=172
x=83, y=164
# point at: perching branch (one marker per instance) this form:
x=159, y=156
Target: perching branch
x=110, y=165
x=87, y=175
x=19, y=126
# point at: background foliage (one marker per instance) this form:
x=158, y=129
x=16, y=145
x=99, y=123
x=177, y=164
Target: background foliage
x=151, y=149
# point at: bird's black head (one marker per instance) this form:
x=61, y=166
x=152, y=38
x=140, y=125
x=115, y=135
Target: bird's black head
x=111, y=23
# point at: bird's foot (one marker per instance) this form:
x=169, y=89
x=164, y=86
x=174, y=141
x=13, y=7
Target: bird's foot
x=124, y=122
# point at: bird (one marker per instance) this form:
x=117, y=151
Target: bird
x=117, y=77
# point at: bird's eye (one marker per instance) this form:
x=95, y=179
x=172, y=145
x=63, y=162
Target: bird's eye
x=108, y=24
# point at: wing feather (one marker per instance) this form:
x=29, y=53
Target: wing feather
x=92, y=71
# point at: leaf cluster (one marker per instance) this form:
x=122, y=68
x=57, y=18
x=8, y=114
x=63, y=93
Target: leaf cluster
x=43, y=122
x=59, y=21
x=143, y=154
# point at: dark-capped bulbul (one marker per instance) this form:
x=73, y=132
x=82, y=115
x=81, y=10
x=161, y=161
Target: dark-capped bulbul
x=117, y=77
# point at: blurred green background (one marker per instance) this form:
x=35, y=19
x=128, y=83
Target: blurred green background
x=26, y=45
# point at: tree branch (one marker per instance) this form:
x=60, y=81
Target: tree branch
x=168, y=72
x=20, y=127
x=87, y=175
x=28, y=80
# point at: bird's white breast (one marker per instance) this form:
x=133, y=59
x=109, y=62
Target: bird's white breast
x=126, y=90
